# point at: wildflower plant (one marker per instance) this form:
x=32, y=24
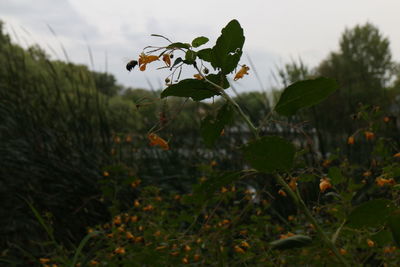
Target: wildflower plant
x=273, y=155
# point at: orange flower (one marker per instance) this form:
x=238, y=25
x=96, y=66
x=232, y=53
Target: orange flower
x=119, y=250
x=293, y=184
x=370, y=243
x=146, y=59
x=380, y=181
x=397, y=155
x=155, y=140
x=342, y=251
x=283, y=236
x=106, y=174
x=243, y=71
x=282, y=193
x=245, y=244
x=369, y=135
x=351, y=140
x=367, y=173
x=198, y=76
x=185, y=261
x=44, y=260
x=325, y=184
x=239, y=250
x=386, y=119
x=166, y=58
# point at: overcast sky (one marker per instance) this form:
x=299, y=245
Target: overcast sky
x=117, y=30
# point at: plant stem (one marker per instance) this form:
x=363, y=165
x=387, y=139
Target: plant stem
x=300, y=203
x=234, y=103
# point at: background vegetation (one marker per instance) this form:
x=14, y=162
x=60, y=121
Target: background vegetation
x=73, y=142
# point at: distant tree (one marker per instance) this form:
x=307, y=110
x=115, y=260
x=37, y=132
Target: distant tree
x=106, y=83
x=363, y=67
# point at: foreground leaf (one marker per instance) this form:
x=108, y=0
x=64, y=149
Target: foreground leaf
x=370, y=214
x=228, y=49
x=196, y=89
x=269, y=154
x=304, y=94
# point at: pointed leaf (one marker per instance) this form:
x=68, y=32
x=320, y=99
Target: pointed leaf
x=199, y=41
x=304, y=94
x=370, y=214
x=269, y=154
x=295, y=241
x=196, y=89
x=228, y=49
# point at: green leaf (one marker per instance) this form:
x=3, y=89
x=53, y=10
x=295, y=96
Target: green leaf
x=205, y=54
x=394, y=226
x=211, y=127
x=370, y=214
x=336, y=175
x=382, y=238
x=199, y=41
x=304, y=94
x=190, y=56
x=295, y=241
x=269, y=154
x=228, y=49
x=179, y=45
x=219, y=79
x=196, y=89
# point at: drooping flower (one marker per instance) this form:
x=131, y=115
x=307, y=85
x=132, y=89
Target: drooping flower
x=146, y=59
x=351, y=140
x=381, y=181
x=155, y=140
x=369, y=135
x=119, y=250
x=167, y=59
x=325, y=184
x=243, y=71
x=370, y=243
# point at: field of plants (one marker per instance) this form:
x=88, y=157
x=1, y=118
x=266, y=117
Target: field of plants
x=96, y=174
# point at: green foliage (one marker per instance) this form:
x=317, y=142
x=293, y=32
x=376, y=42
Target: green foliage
x=304, y=94
x=370, y=214
x=199, y=41
x=211, y=128
x=196, y=89
x=269, y=154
